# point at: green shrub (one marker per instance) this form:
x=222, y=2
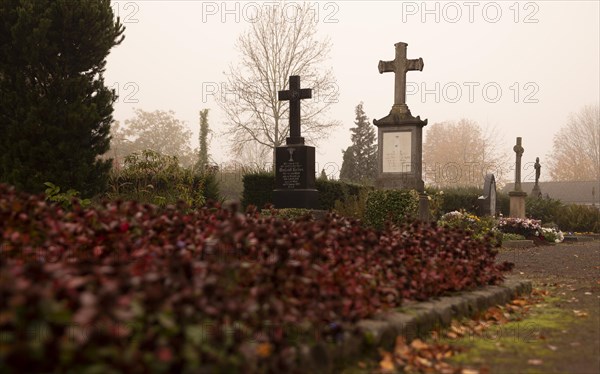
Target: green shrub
x=154, y=178
x=579, y=218
x=64, y=199
x=395, y=206
x=436, y=202
x=211, y=187
x=545, y=210
x=354, y=206
x=258, y=189
x=502, y=204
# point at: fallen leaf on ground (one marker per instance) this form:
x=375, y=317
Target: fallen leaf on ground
x=552, y=347
x=418, y=344
x=535, y=361
x=580, y=313
x=387, y=363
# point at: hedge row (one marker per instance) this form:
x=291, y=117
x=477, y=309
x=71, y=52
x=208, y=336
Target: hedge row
x=466, y=199
x=131, y=288
x=258, y=189
x=574, y=218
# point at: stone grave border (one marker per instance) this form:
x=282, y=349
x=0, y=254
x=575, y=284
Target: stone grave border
x=412, y=320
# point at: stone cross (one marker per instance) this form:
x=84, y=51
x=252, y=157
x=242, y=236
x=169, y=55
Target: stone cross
x=400, y=66
x=519, y=151
x=294, y=95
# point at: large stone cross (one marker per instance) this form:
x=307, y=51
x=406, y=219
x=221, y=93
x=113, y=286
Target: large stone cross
x=400, y=66
x=294, y=95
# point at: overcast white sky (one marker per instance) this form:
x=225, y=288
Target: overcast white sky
x=519, y=66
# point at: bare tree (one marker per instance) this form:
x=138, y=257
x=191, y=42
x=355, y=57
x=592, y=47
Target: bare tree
x=576, y=151
x=461, y=153
x=275, y=47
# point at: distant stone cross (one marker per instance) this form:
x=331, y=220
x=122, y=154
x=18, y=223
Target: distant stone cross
x=519, y=151
x=400, y=66
x=294, y=95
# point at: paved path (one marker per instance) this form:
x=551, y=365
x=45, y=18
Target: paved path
x=570, y=272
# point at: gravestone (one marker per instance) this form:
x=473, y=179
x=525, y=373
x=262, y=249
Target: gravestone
x=295, y=162
x=400, y=135
x=487, y=202
x=536, y=191
x=517, y=197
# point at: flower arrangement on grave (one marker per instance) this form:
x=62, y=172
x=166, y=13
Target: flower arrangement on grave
x=552, y=235
x=477, y=226
x=523, y=226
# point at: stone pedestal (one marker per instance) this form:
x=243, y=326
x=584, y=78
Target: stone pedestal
x=295, y=177
x=517, y=204
x=536, y=191
x=400, y=154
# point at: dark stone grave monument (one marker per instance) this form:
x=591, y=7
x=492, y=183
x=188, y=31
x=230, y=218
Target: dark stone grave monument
x=295, y=162
x=400, y=135
x=487, y=202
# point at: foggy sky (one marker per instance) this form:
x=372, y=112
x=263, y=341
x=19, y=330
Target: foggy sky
x=538, y=61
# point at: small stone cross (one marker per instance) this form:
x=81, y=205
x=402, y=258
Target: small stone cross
x=294, y=95
x=518, y=148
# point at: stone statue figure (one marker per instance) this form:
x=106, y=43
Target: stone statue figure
x=537, y=167
x=537, y=192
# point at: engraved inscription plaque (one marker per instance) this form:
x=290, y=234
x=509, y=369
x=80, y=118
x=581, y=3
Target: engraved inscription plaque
x=291, y=174
x=397, y=150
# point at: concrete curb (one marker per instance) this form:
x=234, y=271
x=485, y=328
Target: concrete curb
x=411, y=321
x=517, y=243
x=579, y=238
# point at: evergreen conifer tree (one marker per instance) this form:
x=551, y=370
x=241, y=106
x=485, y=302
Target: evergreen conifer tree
x=55, y=109
x=360, y=159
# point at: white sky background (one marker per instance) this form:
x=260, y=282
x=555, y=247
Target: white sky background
x=542, y=55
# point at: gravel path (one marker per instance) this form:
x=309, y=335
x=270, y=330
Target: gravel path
x=570, y=272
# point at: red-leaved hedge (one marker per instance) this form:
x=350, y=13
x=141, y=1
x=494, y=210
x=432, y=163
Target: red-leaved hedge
x=131, y=288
